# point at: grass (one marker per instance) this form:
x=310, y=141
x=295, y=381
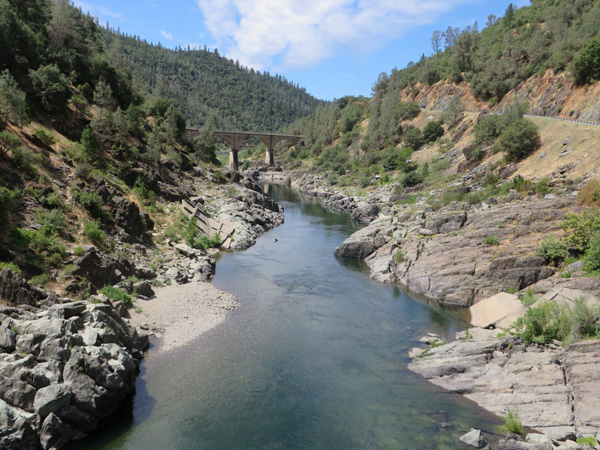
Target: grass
x=491, y=240
x=589, y=441
x=399, y=257
x=117, y=295
x=11, y=266
x=512, y=424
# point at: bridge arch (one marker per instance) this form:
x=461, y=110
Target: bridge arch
x=236, y=138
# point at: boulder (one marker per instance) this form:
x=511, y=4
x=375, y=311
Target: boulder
x=472, y=438
x=8, y=340
x=50, y=399
x=66, y=310
x=143, y=288
x=16, y=290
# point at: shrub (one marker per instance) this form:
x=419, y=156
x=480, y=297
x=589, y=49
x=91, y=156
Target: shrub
x=20, y=237
x=118, y=295
x=8, y=141
x=413, y=138
x=219, y=178
x=589, y=193
x=545, y=323
x=488, y=130
x=432, y=131
x=44, y=136
x=520, y=139
x=412, y=179
x=541, y=187
x=491, y=240
x=512, y=424
x=92, y=231
x=528, y=298
x=592, y=254
x=581, y=227
x=53, y=222
x=7, y=197
x=552, y=250
x=399, y=257
x=79, y=251
x=90, y=145
x=26, y=159
x=11, y=266
x=589, y=441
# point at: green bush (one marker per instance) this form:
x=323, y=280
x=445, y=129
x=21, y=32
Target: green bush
x=592, y=254
x=8, y=141
x=512, y=424
x=432, y=131
x=541, y=187
x=7, y=197
x=44, y=136
x=552, y=250
x=491, y=240
x=586, y=64
x=20, y=237
x=92, y=231
x=399, y=257
x=413, y=138
x=52, y=221
x=581, y=227
x=11, y=266
x=27, y=160
x=520, y=139
x=219, y=178
x=412, y=179
x=589, y=441
x=545, y=323
x=79, y=251
x=488, y=130
x=528, y=298
x=118, y=295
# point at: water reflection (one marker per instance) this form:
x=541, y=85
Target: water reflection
x=314, y=358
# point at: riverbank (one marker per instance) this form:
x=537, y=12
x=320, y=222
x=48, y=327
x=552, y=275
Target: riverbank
x=179, y=314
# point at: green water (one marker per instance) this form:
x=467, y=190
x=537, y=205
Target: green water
x=314, y=358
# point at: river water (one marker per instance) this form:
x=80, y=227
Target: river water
x=314, y=358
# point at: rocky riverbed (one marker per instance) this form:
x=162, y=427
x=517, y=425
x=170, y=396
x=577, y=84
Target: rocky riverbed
x=65, y=365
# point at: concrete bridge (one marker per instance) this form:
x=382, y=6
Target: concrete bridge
x=236, y=138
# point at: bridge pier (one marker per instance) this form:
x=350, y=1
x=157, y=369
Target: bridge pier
x=269, y=157
x=233, y=160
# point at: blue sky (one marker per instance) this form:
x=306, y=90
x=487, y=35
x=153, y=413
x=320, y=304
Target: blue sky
x=330, y=47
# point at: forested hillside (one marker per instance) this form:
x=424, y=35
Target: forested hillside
x=201, y=83
x=550, y=34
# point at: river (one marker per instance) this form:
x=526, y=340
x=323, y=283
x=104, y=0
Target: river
x=314, y=358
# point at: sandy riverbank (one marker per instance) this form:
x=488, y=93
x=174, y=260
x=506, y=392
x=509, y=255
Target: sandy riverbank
x=179, y=314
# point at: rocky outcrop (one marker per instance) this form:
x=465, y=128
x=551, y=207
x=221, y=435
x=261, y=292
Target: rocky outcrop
x=445, y=254
x=552, y=388
x=251, y=212
x=101, y=268
x=17, y=291
x=62, y=370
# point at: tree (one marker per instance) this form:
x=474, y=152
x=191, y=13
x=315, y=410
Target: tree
x=520, y=139
x=51, y=87
x=509, y=15
x=450, y=36
x=13, y=105
x=436, y=41
x=491, y=20
x=103, y=96
x=586, y=64
x=119, y=126
x=205, y=144
x=8, y=141
x=454, y=112
x=413, y=138
x=433, y=130
x=90, y=145
x=134, y=115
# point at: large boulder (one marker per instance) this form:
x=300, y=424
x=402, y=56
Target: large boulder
x=17, y=291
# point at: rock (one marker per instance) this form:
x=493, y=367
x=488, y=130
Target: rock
x=511, y=444
x=51, y=399
x=188, y=251
x=498, y=311
x=446, y=222
x=472, y=438
x=55, y=433
x=16, y=291
x=365, y=214
x=17, y=393
x=8, y=340
x=101, y=269
x=66, y=310
x=143, y=288
x=576, y=266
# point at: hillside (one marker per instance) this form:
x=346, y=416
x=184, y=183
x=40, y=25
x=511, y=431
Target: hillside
x=201, y=83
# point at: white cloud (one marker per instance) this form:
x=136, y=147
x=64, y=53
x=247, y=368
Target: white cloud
x=166, y=35
x=292, y=33
x=99, y=10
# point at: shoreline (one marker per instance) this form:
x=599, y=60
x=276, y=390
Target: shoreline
x=179, y=314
